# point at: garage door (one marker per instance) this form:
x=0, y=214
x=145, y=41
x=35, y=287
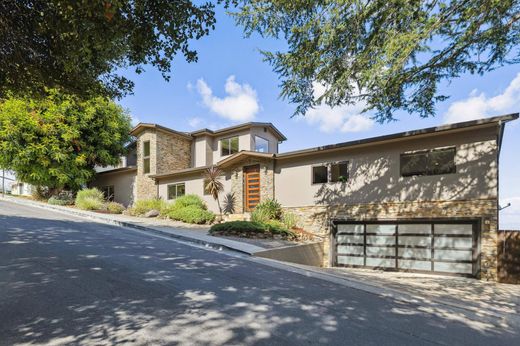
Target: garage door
x=434, y=246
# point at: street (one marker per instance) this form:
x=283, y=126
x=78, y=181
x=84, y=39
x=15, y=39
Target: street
x=66, y=280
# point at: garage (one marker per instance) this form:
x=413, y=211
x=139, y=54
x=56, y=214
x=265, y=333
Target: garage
x=445, y=247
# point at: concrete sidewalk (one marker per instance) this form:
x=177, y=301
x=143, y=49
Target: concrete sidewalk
x=178, y=230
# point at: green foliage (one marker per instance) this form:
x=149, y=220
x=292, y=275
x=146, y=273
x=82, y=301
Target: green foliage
x=251, y=228
x=269, y=209
x=213, y=184
x=54, y=200
x=56, y=141
x=80, y=45
x=142, y=206
x=89, y=199
x=192, y=214
x=189, y=200
x=385, y=56
x=114, y=207
x=289, y=220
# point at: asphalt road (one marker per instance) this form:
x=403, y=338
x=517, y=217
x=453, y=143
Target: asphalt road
x=70, y=281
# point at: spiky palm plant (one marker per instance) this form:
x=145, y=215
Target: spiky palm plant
x=213, y=185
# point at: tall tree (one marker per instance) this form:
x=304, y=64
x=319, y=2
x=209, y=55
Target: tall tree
x=56, y=141
x=79, y=45
x=389, y=54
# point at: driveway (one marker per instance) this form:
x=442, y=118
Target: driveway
x=65, y=280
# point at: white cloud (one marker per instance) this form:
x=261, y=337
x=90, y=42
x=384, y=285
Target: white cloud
x=196, y=122
x=478, y=105
x=510, y=216
x=240, y=104
x=134, y=120
x=345, y=118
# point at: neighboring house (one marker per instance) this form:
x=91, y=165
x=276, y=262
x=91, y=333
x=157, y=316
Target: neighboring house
x=21, y=189
x=424, y=200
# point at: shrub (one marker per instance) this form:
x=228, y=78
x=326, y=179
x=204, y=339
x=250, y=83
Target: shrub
x=63, y=198
x=143, y=206
x=290, y=220
x=114, y=207
x=249, y=227
x=270, y=209
x=192, y=214
x=190, y=200
x=260, y=215
x=89, y=199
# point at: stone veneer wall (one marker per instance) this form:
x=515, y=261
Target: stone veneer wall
x=316, y=219
x=266, y=181
x=168, y=152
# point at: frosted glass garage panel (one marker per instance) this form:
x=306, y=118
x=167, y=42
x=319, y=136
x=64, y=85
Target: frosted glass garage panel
x=381, y=262
x=415, y=240
x=414, y=265
x=343, y=228
x=463, y=268
x=381, y=239
x=380, y=251
x=464, y=229
x=347, y=260
x=350, y=249
x=425, y=228
x=415, y=253
x=453, y=242
x=457, y=255
x=348, y=238
x=381, y=229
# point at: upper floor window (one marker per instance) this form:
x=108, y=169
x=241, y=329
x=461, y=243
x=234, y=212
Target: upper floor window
x=176, y=190
x=332, y=173
x=146, y=157
x=228, y=146
x=261, y=144
x=428, y=162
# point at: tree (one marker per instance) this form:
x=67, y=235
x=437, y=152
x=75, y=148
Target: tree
x=78, y=45
x=388, y=54
x=213, y=185
x=56, y=141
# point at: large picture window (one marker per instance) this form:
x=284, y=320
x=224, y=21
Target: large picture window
x=428, y=162
x=261, y=144
x=228, y=146
x=146, y=157
x=176, y=190
x=319, y=174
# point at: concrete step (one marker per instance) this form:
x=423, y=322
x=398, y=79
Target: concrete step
x=237, y=217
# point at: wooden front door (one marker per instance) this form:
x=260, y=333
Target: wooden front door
x=251, y=187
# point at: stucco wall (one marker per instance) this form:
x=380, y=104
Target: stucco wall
x=374, y=173
x=268, y=135
x=123, y=182
x=195, y=185
x=244, y=143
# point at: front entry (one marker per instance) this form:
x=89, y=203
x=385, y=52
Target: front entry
x=251, y=187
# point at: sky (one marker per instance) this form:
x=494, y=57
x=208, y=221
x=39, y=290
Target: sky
x=231, y=84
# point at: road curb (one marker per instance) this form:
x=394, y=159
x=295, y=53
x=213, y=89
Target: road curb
x=104, y=220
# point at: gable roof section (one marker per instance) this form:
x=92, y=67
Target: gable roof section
x=498, y=120
x=239, y=127
x=144, y=126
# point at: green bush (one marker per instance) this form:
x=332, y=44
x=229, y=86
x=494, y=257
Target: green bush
x=269, y=209
x=114, y=207
x=290, y=220
x=260, y=215
x=89, y=199
x=190, y=200
x=192, y=214
x=143, y=206
x=54, y=200
x=251, y=227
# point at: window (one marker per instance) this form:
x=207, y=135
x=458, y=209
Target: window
x=146, y=157
x=261, y=145
x=229, y=146
x=339, y=172
x=332, y=173
x=429, y=162
x=108, y=192
x=319, y=174
x=176, y=190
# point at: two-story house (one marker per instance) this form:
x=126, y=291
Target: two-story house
x=424, y=200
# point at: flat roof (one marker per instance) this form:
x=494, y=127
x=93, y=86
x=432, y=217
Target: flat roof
x=394, y=136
